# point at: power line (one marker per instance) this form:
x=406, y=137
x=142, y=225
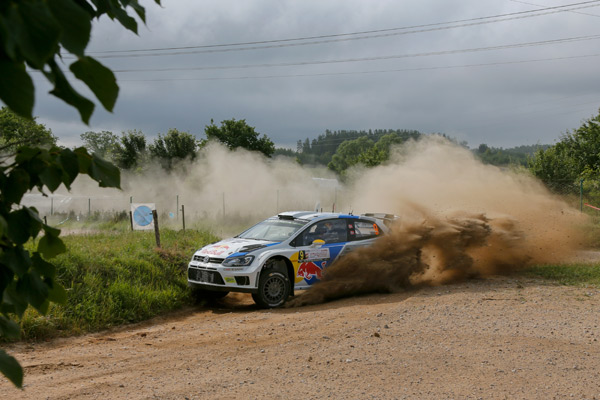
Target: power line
x=541, y=5
x=362, y=59
x=322, y=39
x=365, y=72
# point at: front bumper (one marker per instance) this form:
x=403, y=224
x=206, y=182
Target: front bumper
x=210, y=276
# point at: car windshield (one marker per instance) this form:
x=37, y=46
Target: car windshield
x=274, y=230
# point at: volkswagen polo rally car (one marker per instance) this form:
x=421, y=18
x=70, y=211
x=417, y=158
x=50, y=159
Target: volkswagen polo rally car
x=281, y=254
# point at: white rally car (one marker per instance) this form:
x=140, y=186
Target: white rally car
x=281, y=254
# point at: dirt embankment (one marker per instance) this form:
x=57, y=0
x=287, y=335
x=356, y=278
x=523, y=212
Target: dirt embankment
x=486, y=338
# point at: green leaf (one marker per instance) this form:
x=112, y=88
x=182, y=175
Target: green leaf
x=84, y=159
x=63, y=90
x=57, y=293
x=51, y=231
x=14, y=302
x=124, y=18
x=9, y=329
x=76, y=25
x=139, y=10
x=16, y=259
x=16, y=88
x=50, y=245
x=35, y=291
x=51, y=176
x=6, y=277
x=3, y=226
x=42, y=266
x=68, y=161
x=105, y=173
x=16, y=186
x=11, y=369
x=22, y=225
x=37, y=32
x=26, y=153
x=98, y=78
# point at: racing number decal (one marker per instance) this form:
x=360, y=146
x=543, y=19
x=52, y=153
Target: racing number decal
x=301, y=255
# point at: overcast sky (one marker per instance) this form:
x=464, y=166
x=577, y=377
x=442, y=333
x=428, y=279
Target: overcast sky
x=505, y=75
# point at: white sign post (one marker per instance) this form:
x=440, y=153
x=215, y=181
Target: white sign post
x=141, y=216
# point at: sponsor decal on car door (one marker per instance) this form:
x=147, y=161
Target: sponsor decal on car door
x=321, y=243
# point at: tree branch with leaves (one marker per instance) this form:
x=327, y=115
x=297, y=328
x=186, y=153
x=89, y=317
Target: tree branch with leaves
x=36, y=35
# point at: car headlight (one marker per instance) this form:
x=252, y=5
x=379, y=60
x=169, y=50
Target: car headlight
x=242, y=261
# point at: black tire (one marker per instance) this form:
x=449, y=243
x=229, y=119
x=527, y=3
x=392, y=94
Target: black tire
x=207, y=295
x=273, y=289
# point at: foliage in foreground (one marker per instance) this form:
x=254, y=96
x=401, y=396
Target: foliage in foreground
x=36, y=35
x=26, y=277
x=116, y=278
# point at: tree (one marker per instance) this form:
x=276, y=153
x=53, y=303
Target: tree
x=322, y=149
x=104, y=144
x=348, y=153
x=366, y=151
x=234, y=134
x=17, y=131
x=27, y=278
x=131, y=151
x=174, y=146
x=554, y=167
x=306, y=146
x=36, y=35
x=576, y=156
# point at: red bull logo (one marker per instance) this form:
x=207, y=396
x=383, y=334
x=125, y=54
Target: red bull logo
x=308, y=270
x=217, y=250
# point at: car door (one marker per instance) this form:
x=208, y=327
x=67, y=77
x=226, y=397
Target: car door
x=317, y=247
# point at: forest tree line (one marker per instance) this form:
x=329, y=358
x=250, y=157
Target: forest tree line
x=576, y=156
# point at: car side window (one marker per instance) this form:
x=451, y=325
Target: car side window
x=330, y=231
x=364, y=230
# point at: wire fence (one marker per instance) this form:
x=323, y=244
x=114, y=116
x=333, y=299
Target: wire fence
x=231, y=207
x=583, y=195
x=173, y=208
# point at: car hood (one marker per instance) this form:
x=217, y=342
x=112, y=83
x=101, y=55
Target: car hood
x=228, y=247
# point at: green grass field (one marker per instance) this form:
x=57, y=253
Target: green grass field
x=117, y=277
x=567, y=274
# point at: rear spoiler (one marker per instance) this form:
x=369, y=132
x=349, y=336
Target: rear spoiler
x=388, y=219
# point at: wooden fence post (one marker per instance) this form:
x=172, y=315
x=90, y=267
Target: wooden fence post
x=183, y=216
x=156, y=231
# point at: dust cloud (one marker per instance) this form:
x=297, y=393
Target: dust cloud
x=224, y=190
x=458, y=219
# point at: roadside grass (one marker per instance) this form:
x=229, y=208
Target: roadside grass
x=566, y=274
x=117, y=277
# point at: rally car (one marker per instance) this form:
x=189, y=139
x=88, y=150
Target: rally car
x=281, y=254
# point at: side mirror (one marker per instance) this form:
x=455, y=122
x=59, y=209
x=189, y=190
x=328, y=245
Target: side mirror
x=317, y=243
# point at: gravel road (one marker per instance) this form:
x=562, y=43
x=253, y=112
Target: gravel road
x=494, y=338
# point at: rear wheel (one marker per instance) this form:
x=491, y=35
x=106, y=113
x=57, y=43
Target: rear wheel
x=273, y=288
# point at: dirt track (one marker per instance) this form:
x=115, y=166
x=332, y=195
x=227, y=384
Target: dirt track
x=494, y=338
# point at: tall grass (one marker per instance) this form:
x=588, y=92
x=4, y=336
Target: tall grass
x=117, y=277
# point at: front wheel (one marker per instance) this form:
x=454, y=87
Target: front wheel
x=273, y=289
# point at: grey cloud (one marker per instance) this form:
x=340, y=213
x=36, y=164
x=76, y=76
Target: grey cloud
x=502, y=105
